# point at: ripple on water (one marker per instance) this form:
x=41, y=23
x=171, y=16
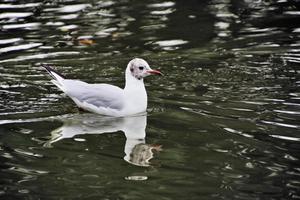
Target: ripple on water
x=288, y=138
x=41, y=56
x=20, y=47
x=18, y=6
x=15, y=15
x=27, y=171
x=230, y=130
x=291, y=57
x=162, y=4
x=136, y=178
x=9, y=41
x=24, y=26
x=162, y=12
x=170, y=44
x=28, y=153
x=251, y=189
x=280, y=124
x=73, y=8
x=287, y=112
x=69, y=27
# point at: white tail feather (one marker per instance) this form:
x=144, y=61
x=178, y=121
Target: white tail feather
x=58, y=84
x=57, y=77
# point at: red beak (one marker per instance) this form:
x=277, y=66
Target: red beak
x=155, y=72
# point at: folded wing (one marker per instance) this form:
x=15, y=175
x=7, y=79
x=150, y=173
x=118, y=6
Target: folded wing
x=97, y=95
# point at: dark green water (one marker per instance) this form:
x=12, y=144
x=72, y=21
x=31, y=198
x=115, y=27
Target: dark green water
x=223, y=123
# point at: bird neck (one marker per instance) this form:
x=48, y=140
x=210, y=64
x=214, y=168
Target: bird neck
x=135, y=95
x=132, y=83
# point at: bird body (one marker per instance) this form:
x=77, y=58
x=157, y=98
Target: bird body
x=106, y=99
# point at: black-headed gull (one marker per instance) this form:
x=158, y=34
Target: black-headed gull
x=108, y=99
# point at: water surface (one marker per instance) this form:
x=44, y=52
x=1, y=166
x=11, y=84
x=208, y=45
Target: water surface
x=223, y=123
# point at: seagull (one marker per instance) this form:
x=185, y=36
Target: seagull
x=106, y=99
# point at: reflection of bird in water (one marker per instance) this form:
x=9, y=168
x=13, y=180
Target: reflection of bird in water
x=137, y=152
x=141, y=154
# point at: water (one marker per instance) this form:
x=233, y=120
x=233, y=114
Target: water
x=223, y=123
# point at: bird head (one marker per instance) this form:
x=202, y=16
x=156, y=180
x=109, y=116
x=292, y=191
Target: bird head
x=139, y=69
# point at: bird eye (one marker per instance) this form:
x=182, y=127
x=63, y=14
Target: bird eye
x=141, y=68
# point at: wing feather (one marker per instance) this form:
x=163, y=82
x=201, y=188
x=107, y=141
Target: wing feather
x=99, y=95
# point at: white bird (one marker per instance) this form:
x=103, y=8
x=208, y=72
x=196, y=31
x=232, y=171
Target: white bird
x=108, y=99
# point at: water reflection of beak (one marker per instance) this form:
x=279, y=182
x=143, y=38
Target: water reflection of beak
x=141, y=154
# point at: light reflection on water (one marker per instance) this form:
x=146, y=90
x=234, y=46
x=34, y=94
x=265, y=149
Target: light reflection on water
x=226, y=114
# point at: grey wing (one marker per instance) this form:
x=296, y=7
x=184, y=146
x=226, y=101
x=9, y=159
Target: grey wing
x=99, y=95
